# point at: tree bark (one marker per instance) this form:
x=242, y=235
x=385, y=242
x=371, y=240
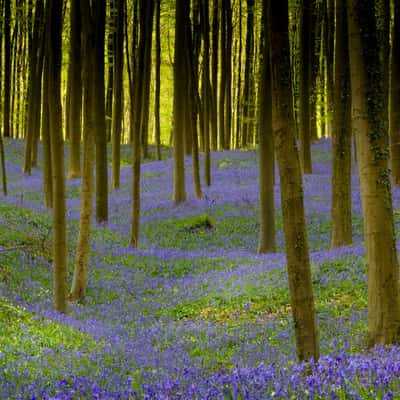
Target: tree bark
x=298, y=262
x=75, y=95
x=118, y=95
x=157, y=91
x=341, y=135
x=99, y=11
x=306, y=53
x=179, y=191
x=369, y=124
x=395, y=98
x=80, y=277
x=54, y=28
x=266, y=239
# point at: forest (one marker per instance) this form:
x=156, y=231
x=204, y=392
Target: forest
x=200, y=199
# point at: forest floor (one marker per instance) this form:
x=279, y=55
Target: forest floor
x=193, y=313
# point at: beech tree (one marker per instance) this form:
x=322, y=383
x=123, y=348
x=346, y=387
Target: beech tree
x=266, y=240
x=395, y=98
x=79, y=282
x=369, y=123
x=341, y=135
x=53, y=56
x=75, y=92
x=182, y=11
x=292, y=199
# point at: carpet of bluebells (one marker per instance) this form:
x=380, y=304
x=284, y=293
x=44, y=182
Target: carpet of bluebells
x=193, y=313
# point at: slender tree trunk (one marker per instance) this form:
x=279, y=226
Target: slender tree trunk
x=395, y=98
x=146, y=8
x=111, y=44
x=7, y=70
x=214, y=77
x=146, y=76
x=228, y=73
x=118, y=95
x=99, y=11
x=239, y=104
x=75, y=94
x=34, y=89
x=266, y=239
x=369, y=124
x=206, y=89
x=157, y=78
x=179, y=191
x=247, y=74
x=299, y=272
x=341, y=135
x=79, y=282
x=305, y=86
x=46, y=147
x=54, y=28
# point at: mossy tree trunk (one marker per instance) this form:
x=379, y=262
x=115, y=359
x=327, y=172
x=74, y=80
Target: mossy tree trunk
x=341, y=135
x=298, y=262
x=369, y=124
x=157, y=78
x=395, y=98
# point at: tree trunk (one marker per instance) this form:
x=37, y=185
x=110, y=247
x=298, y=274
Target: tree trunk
x=118, y=95
x=305, y=84
x=395, y=98
x=7, y=70
x=157, y=78
x=146, y=13
x=369, y=124
x=79, y=282
x=266, y=239
x=111, y=43
x=146, y=76
x=34, y=89
x=214, y=76
x=99, y=11
x=54, y=28
x=206, y=90
x=179, y=191
x=299, y=272
x=341, y=135
x=75, y=95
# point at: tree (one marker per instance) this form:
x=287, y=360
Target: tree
x=206, y=89
x=118, y=94
x=36, y=58
x=146, y=8
x=157, y=78
x=305, y=64
x=369, y=124
x=53, y=55
x=298, y=262
x=79, y=282
x=179, y=191
x=395, y=98
x=266, y=240
x=247, y=98
x=341, y=135
x=7, y=70
x=75, y=92
x=99, y=11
